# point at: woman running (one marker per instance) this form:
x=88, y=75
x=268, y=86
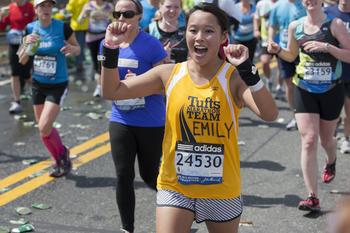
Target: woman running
x=136, y=125
x=321, y=44
x=200, y=172
x=49, y=41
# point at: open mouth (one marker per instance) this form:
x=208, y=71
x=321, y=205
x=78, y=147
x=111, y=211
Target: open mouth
x=200, y=49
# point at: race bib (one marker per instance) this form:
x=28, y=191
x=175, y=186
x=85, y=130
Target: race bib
x=320, y=72
x=199, y=163
x=45, y=65
x=130, y=104
x=14, y=36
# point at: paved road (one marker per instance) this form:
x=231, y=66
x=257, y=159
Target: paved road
x=84, y=202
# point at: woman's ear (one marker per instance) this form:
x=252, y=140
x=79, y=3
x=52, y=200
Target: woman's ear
x=224, y=42
x=225, y=37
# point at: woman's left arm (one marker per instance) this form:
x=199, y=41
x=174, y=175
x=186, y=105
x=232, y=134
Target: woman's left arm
x=340, y=32
x=71, y=47
x=247, y=87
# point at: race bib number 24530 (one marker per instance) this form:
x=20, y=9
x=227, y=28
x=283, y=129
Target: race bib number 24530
x=199, y=163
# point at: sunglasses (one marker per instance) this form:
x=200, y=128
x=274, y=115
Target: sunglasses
x=125, y=14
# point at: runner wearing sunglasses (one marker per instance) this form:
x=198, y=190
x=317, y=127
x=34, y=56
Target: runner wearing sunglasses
x=136, y=124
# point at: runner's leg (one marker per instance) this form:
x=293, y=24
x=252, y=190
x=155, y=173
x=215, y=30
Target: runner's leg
x=308, y=126
x=173, y=220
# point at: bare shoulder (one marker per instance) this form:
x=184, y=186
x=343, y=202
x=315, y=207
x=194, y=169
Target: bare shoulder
x=293, y=25
x=337, y=22
x=164, y=71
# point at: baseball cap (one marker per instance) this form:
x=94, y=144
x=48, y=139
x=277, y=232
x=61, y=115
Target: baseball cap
x=38, y=2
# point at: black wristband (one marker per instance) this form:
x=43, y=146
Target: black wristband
x=109, y=57
x=248, y=72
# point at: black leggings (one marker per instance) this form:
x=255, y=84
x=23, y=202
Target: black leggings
x=127, y=142
x=94, y=47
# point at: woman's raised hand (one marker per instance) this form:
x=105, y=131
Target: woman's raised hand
x=236, y=54
x=117, y=32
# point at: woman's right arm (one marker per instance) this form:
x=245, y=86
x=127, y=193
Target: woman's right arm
x=151, y=82
x=291, y=52
x=23, y=57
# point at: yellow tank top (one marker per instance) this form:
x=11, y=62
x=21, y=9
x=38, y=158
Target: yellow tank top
x=200, y=150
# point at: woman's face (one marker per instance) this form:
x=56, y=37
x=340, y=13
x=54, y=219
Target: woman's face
x=204, y=37
x=44, y=10
x=123, y=6
x=312, y=4
x=170, y=9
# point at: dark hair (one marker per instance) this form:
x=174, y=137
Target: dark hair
x=137, y=3
x=214, y=10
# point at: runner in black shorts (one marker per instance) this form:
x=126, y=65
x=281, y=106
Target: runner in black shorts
x=321, y=42
x=54, y=41
x=19, y=15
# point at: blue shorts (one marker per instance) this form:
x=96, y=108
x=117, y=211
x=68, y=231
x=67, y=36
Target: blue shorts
x=287, y=69
x=204, y=209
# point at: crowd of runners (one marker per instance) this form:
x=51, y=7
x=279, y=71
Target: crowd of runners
x=178, y=74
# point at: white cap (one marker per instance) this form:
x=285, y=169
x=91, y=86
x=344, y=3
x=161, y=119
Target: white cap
x=38, y=2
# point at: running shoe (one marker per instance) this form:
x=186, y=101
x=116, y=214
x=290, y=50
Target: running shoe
x=15, y=108
x=345, y=146
x=328, y=173
x=63, y=166
x=97, y=92
x=66, y=163
x=292, y=124
x=56, y=170
x=311, y=203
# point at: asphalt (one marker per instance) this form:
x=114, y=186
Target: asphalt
x=84, y=201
